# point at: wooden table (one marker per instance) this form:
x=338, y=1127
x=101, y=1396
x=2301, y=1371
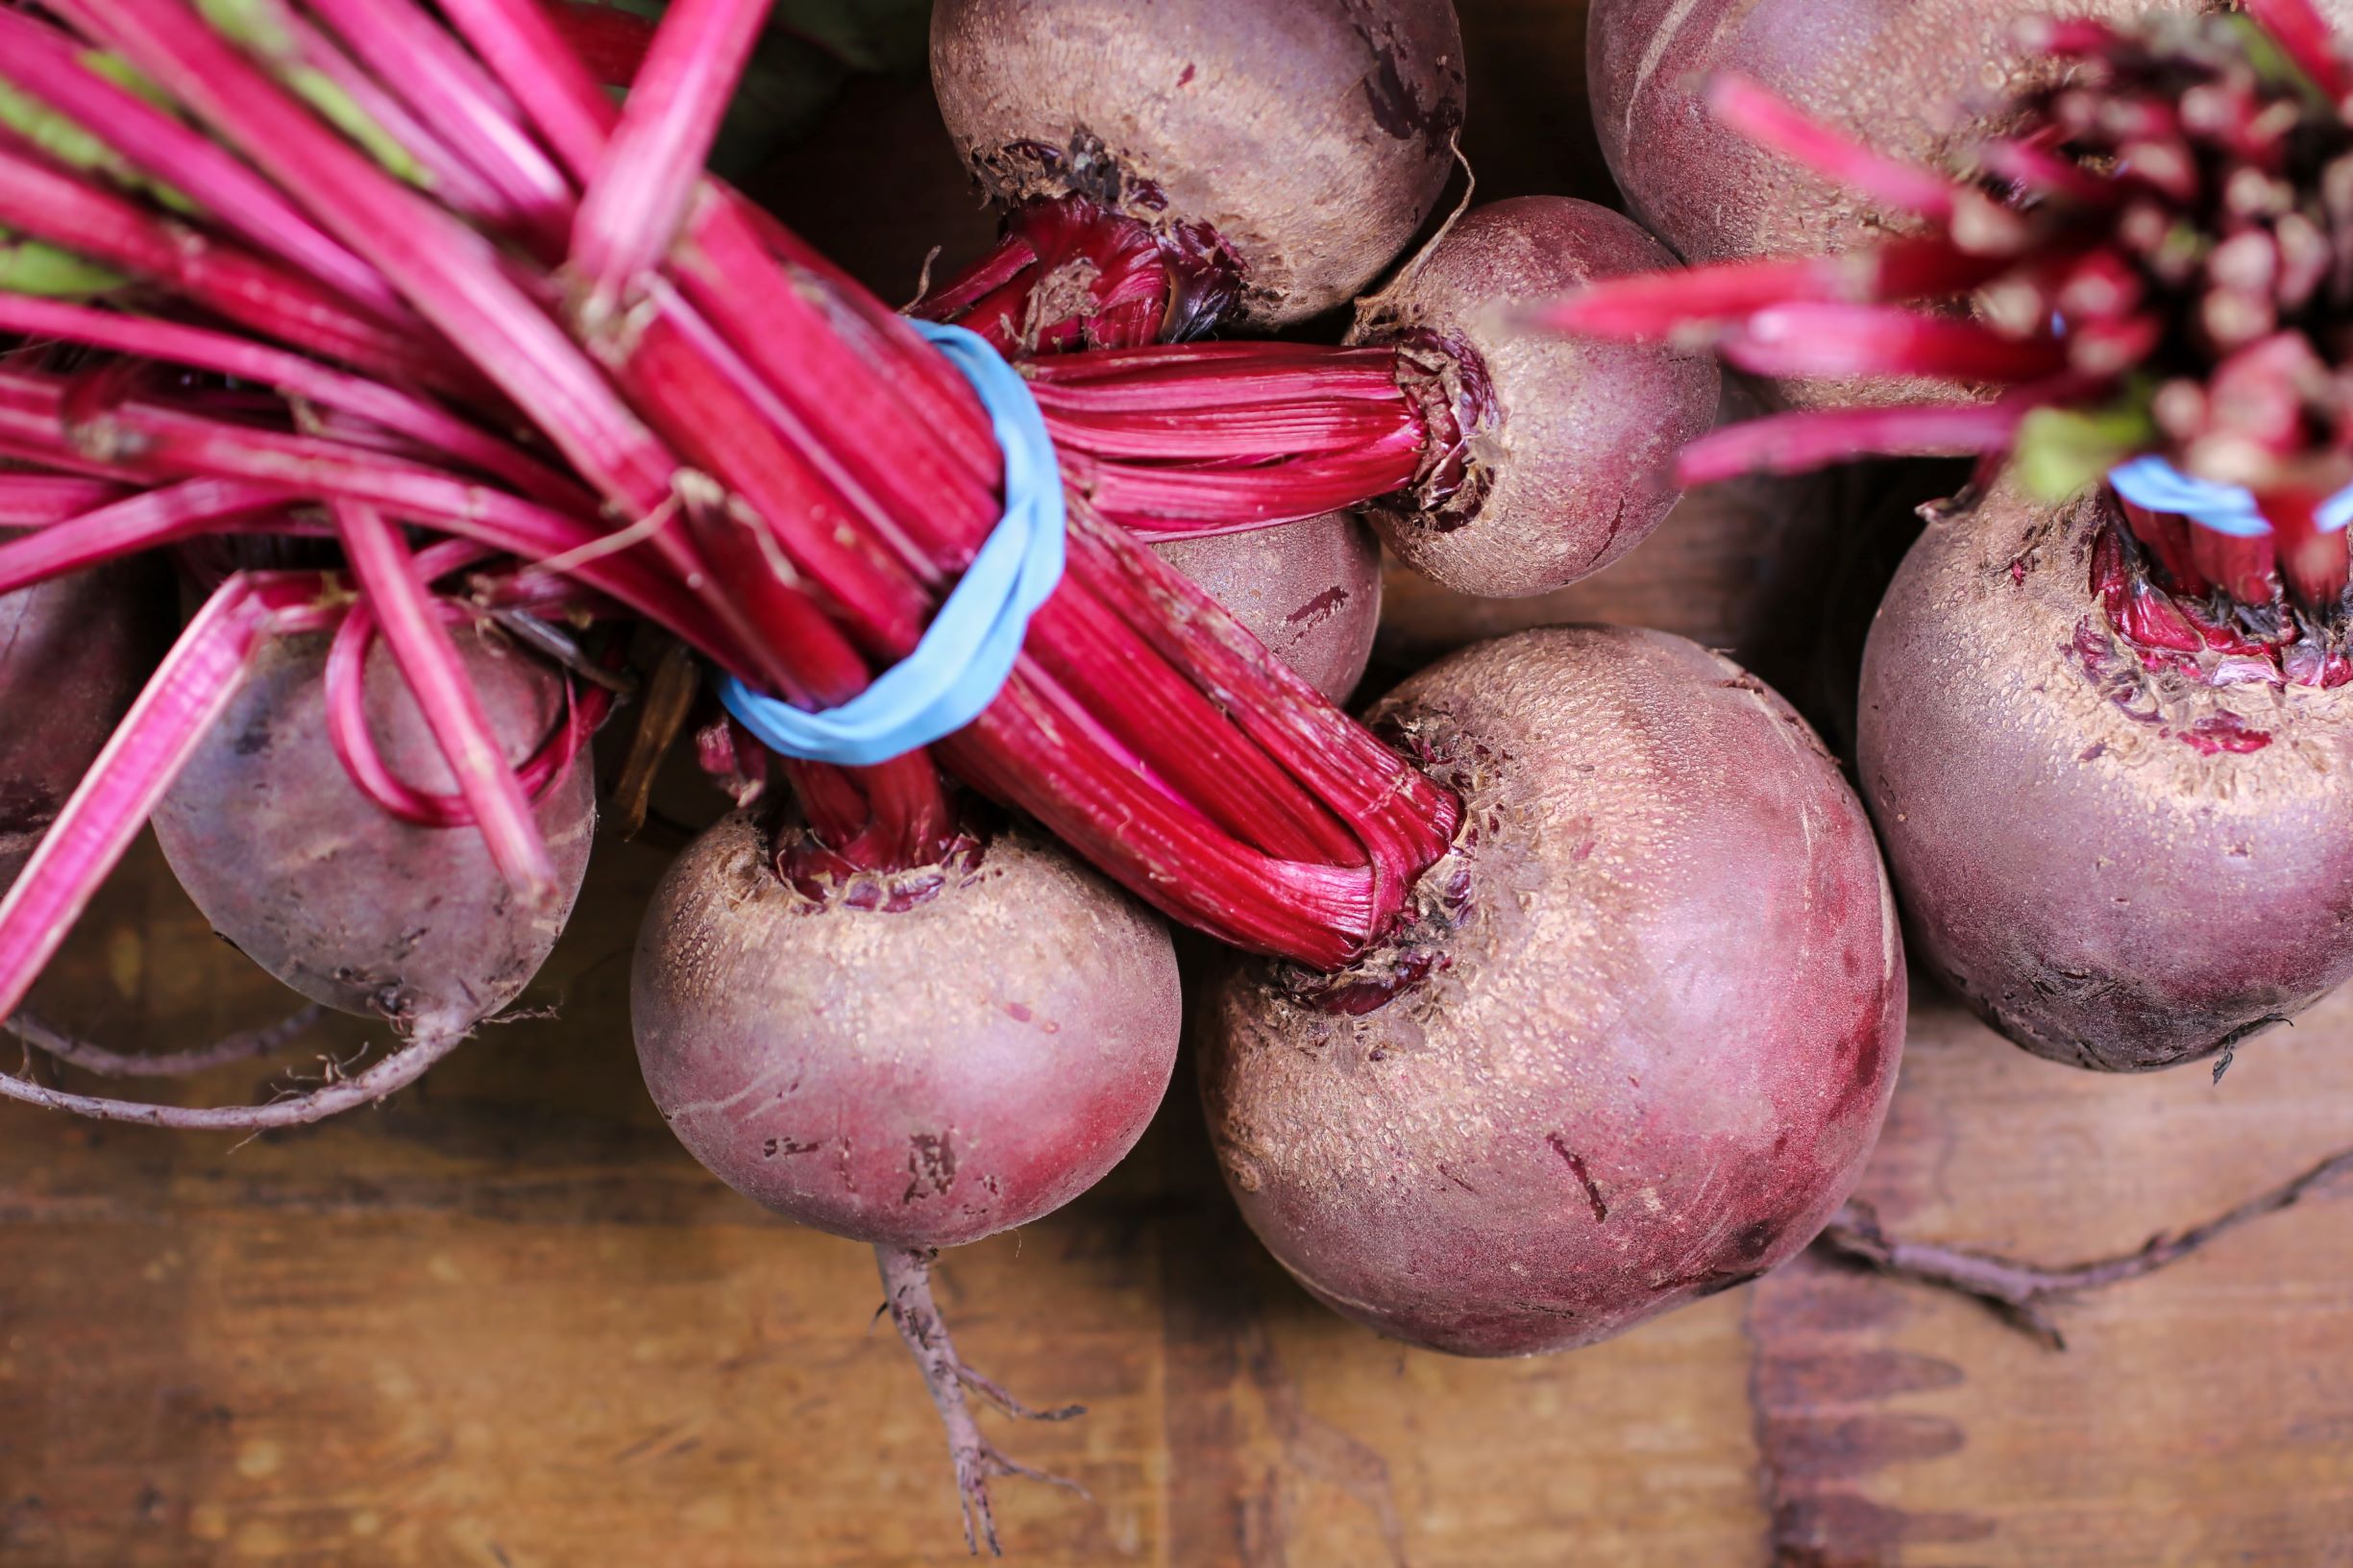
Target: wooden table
x=507, y=1322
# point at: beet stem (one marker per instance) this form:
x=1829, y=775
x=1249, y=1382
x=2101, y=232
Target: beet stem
x=419, y=61
x=1764, y=118
x=2022, y=1292
x=225, y=280
x=803, y=554
x=295, y=377
x=429, y=662
x=652, y=169
x=906, y=1282
x=612, y=43
x=526, y=50
x=46, y=64
x=169, y=721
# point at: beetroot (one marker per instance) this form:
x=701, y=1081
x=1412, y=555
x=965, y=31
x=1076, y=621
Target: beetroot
x=1565, y=450
x=73, y=653
x=1724, y=568
x=2124, y=842
x=1918, y=80
x=1283, y=149
x=920, y=1060
x=345, y=903
x=1634, y=1049
x=1905, y=77
x=914, y=1059
x=1310, y=590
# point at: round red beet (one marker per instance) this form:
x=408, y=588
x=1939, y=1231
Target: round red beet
x=1644, y=1026
x=345, y=903
x=2123, y=856
x=1566, y=448
x=1306, y=139
x=1902, y=76
x=918, y=1061
x=1310, y=590
x=1913, y=78
x=73, y=653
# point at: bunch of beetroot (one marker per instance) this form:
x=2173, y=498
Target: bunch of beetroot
x=2106, y=743
x=1574, y=988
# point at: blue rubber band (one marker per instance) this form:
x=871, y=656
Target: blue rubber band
x=2157, y=486
x=968, y=651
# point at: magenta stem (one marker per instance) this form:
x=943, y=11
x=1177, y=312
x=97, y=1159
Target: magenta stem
x=1773, y=123
x=525, y=50
x=1816, y=339
x=1799, y=442
x=652, y=170
x=2301, y=30
x=144, y=520
x=171, y=719
x=45, y=64
x=295, y=377
x=419, y=60
x=236, y=285
x=31, y=500
x=452, y=710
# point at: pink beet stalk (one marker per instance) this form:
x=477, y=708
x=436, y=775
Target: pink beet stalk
x=170, y=720
x=1799, y=442
x=447, y=87
x=429, y=662
x=2299, y=28
x=1140, y=724
x=1863, y=340
x=1650, y=306
x=47, y=67
x=429, y=424
x=1767, y=121
x=640, y=195
x=141, y=521
x=33, y=500
x=523, y=47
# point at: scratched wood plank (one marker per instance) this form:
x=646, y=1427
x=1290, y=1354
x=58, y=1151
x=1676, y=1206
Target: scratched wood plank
x=506, y=1321
x=2204, y=1415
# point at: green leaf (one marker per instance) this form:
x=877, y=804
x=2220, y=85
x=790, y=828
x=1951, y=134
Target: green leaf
x=128, y=77
x=28, y=266
x=259, y=26
x=66, y=141
x=2063, y=451
x=340, y=109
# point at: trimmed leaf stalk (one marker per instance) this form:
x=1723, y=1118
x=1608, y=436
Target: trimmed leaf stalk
x=811, y=555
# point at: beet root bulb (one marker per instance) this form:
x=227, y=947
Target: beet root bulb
x=1302, y=141
x=342, y=901
x=2122, y=855
x=1310, y=590
x=1564, y=451
x=1907, y=78
x=914, y=1059
x=1635, y=1046
x=73, y=653
x=921, y=1064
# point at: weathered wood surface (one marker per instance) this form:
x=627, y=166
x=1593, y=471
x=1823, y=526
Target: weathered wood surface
x=507, y=1322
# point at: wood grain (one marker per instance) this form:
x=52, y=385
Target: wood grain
x=507, y=1322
